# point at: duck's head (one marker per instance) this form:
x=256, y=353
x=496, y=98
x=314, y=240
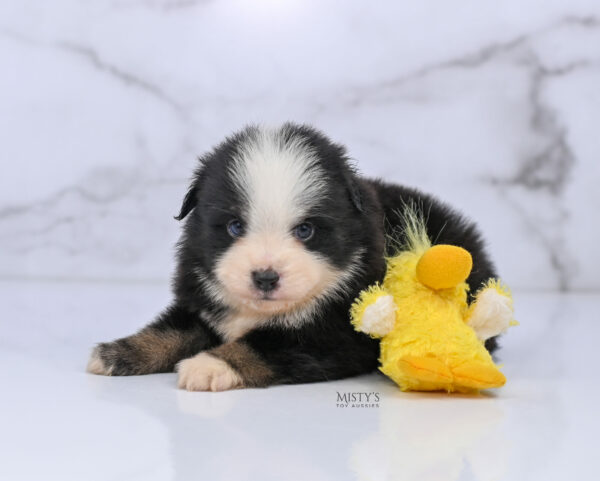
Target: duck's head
x=444, y=266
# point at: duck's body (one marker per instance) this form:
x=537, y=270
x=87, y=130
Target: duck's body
x=427, y=344
x=431, y=348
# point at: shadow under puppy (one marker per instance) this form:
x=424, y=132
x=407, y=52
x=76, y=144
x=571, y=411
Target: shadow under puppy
x=280, y=236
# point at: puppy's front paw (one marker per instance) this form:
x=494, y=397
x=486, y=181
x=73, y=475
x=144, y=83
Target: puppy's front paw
x=206, y=373
x=492, y=314
x=116, y=358
x=96, y=364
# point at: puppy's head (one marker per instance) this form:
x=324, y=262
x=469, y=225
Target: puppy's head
x=274, y=227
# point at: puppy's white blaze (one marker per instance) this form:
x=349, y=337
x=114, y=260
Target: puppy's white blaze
x=278, y=179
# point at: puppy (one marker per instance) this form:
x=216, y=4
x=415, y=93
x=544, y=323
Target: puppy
x=280, y=236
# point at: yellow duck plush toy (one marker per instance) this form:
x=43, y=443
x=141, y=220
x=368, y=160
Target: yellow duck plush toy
x=431, y=338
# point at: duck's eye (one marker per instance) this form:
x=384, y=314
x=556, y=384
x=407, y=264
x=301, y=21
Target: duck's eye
x=304, y=231
x=235, y=228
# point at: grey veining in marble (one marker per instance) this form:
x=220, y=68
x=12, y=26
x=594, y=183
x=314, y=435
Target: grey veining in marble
x=105, y=106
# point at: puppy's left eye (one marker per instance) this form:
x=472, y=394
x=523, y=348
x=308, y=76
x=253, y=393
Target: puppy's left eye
x=304, y=231
x=235, y=228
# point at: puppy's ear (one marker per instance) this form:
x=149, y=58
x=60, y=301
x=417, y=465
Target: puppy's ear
x=191, y=198
x=353, y=190
x=189, y=202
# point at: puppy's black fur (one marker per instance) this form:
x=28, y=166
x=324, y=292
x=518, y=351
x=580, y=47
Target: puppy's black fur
x=358, y=215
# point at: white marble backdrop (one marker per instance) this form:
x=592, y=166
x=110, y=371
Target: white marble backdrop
x=104, y=105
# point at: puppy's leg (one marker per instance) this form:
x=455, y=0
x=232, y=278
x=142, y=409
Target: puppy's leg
x=276, y=356
x=175, y=335
x=229, y=366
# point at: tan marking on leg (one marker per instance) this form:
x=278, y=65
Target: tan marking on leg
x=148, y=351
x=254, y=371
x=156, y=348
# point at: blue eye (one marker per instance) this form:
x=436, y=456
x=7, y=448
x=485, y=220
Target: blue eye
x=235, y=228
x=304, y=231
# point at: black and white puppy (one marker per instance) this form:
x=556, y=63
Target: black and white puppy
x=280, y=236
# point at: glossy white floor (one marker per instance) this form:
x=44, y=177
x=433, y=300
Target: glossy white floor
x=59, y=423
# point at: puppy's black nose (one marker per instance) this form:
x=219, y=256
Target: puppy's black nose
x=265, y=280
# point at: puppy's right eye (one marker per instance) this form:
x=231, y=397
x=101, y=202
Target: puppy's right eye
x=235, y=228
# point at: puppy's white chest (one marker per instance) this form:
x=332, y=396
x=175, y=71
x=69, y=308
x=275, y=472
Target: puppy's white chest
x=234, y=326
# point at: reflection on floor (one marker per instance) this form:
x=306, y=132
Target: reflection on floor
x=60, y=423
